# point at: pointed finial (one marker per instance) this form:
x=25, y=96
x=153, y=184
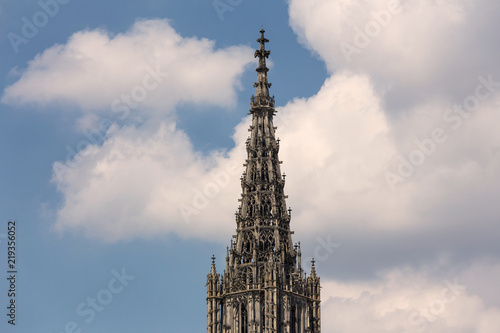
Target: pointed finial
x=313, y=268
x=213, y=270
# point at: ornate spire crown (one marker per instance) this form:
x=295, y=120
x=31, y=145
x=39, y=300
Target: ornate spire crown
x=261, y=97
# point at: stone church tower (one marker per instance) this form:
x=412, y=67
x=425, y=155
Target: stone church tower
x=263, y=288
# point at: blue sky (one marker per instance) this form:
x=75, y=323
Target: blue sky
x=388, y=116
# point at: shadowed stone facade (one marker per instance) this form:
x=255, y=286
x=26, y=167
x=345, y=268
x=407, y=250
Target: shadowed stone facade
x=263, y=288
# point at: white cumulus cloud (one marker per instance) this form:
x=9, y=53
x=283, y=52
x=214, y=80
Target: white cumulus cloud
x=150, y=65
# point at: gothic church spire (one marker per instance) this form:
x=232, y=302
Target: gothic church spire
x=264, y=288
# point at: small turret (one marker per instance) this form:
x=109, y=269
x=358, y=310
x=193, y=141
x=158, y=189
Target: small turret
x=213, y=299
x=313, y=282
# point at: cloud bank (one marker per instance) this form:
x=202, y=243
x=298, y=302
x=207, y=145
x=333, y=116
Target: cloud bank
x=432, y=69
